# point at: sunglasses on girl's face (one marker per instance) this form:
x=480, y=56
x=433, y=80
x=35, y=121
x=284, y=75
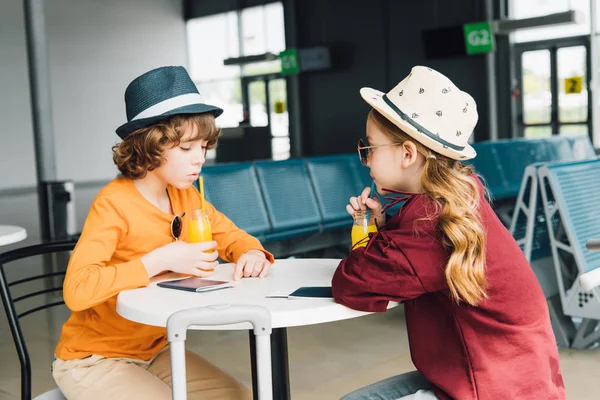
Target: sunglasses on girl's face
x=365, y=151
x=176, y=226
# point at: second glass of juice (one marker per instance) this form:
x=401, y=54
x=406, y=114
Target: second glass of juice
x=363, y=225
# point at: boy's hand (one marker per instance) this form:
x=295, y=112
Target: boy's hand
x=184, y=258
x=363, y=201
x=251, y=264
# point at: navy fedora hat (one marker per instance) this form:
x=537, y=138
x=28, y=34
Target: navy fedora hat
x=159, y=94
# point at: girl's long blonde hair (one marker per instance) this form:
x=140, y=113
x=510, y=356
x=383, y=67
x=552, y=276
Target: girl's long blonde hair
x=456, y=196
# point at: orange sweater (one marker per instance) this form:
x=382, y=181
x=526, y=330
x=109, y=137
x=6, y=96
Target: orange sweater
x=121, y=227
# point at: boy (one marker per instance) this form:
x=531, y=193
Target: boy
x=131, y=234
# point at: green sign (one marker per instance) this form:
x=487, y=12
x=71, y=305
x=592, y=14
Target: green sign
x=289, y=62
x=479, y=38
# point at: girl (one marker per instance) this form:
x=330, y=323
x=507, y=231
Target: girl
x=477, y=321
x=131, y=234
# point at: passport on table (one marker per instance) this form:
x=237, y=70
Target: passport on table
x=195, y=285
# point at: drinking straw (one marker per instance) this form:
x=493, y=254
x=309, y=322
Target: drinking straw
x=368, y=213
x=201, y=185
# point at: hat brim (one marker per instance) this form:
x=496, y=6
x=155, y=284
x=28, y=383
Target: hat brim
x=375, y=99
x=133, y=126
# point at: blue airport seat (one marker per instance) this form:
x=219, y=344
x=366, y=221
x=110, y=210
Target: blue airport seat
x=234, y=190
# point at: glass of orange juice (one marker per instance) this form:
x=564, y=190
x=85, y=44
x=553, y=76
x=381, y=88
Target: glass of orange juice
x=199, y=229
x=363, y=225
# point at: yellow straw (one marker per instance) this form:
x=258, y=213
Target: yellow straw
x=201, y=185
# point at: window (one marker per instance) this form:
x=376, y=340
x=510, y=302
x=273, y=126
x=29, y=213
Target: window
x=251, y=31
x=211, y=40
x=536, y=8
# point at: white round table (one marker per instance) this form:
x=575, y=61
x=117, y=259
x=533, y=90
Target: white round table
x=10, y=234
x=153, y=305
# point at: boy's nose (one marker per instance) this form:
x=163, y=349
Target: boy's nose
x=201, y=154
x=199, y=159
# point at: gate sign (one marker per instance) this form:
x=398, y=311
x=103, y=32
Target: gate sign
x=279, y=107
x=289, y=62
x=573, y=84
x=479, y=38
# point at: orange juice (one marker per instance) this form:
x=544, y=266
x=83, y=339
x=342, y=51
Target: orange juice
x=198, y=231
x=361, y=232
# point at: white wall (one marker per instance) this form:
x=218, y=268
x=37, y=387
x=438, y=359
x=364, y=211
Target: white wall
x=95, y=49
x=17, y=159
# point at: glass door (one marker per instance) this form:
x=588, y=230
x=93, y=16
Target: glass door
x=265, y=99
x=552, y=96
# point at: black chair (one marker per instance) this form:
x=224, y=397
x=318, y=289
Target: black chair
x=9, y=304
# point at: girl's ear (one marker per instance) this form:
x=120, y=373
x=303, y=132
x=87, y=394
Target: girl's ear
x=410, y=155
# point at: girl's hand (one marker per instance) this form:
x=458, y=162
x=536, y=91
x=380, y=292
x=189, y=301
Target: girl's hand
x=362, y=202
x=184, y=258
x=251, y=264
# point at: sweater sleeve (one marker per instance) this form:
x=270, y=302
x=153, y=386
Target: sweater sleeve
x=398, y=264
x=232, y=242
x=371, y=277
x=91, y=276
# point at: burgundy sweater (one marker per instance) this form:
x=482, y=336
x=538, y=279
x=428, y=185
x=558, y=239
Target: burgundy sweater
x=502, y=349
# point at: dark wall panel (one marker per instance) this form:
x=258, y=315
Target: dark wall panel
x=408, y=19
x=202, y=8
x=375, y=43
x=334, y=113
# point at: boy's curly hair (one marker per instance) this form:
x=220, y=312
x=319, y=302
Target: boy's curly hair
x=142, y=150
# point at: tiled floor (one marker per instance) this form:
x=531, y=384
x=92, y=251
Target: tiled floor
x=326, y=360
